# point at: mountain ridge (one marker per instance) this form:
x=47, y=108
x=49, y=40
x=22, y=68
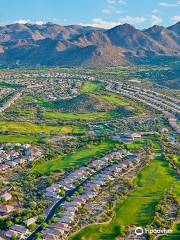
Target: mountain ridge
x=55, y=45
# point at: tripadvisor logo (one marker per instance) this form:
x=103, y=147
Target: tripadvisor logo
x=139, y=231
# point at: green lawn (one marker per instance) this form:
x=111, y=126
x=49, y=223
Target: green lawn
x=175, y=235
x=91, y=87
x=113, y=99
x=75, y=159
x=138, y=208
x=31, y=128
x=177, y=159
x=67, y=116
x=169, y=237
x=19, y=139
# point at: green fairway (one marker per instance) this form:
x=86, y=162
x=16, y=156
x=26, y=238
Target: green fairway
x=19, y=139
x=175, y=235
x=113, y=99
x=81, y=116
x=31, y=128
x=177, y=159
x=138, y=208
x=91, y=87
x=75, y=159
x=169, y=237
x=75, y=116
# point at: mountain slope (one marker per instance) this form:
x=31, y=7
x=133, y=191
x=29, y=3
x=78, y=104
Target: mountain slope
x=36, y=32
x=175, y=28
x=54, y=45
x=169, y=39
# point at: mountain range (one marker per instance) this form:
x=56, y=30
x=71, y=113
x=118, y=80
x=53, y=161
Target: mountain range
x=55, y=45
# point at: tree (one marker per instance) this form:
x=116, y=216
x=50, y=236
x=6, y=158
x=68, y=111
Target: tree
x=38, y=235
x=32, y=227
x=14, y=237
x=41, y=218
x=44, y=225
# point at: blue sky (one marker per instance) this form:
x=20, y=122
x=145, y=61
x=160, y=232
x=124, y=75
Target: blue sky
x=99, y=13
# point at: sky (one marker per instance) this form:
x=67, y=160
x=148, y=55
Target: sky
x=99, y=13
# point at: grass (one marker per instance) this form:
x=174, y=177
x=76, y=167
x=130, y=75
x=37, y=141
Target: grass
x=175, y=235
x=176, y=228
x=169, y=238
x=20, y=139
x=67, y=116
x=138, y=208
x=31, y=128
x=110, y=98
x=76, y=158
x=113, y=99
x=91, y=87
x=177, y=159
x=75, y=116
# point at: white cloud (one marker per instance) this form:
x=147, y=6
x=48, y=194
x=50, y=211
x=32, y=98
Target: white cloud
x=39, y=23
x=111, y=1
x=100, y=23
x=106, y=11
x=117, y=1
x=22, y=21
x=155, y=11
x=111, y=11
x=156, y=20
x=169, y=5
x=118, y=11
x=122, y=2
x=175, y=18
x=25, y=21
x=113, y=6
x=133, y=20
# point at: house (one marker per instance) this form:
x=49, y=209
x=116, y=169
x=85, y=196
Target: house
x=52, y=195
x=1, y=238
x=48, y=236
x=53, y=188
x=114, y=168
x=136, y=135
x=11, y=233
x=63, y=226
x=66, y=219
x=124, y=165
x=116, y=138
x=93, y=186
x=20, y=161
x=74, y=204
x=91, y=194
x=6, y=196
x=56, y=227
x=68, y=214
x=72, y=209
x=30, y=221
x=12, y=163
x=68, y=181
x=99, y=182
x=20, y=229
x=53, y=232
x=4, y=167
x=79, y=199
x=6, y=208
x=128, y=163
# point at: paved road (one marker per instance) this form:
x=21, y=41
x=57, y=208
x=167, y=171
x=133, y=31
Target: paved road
x=54, y=208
